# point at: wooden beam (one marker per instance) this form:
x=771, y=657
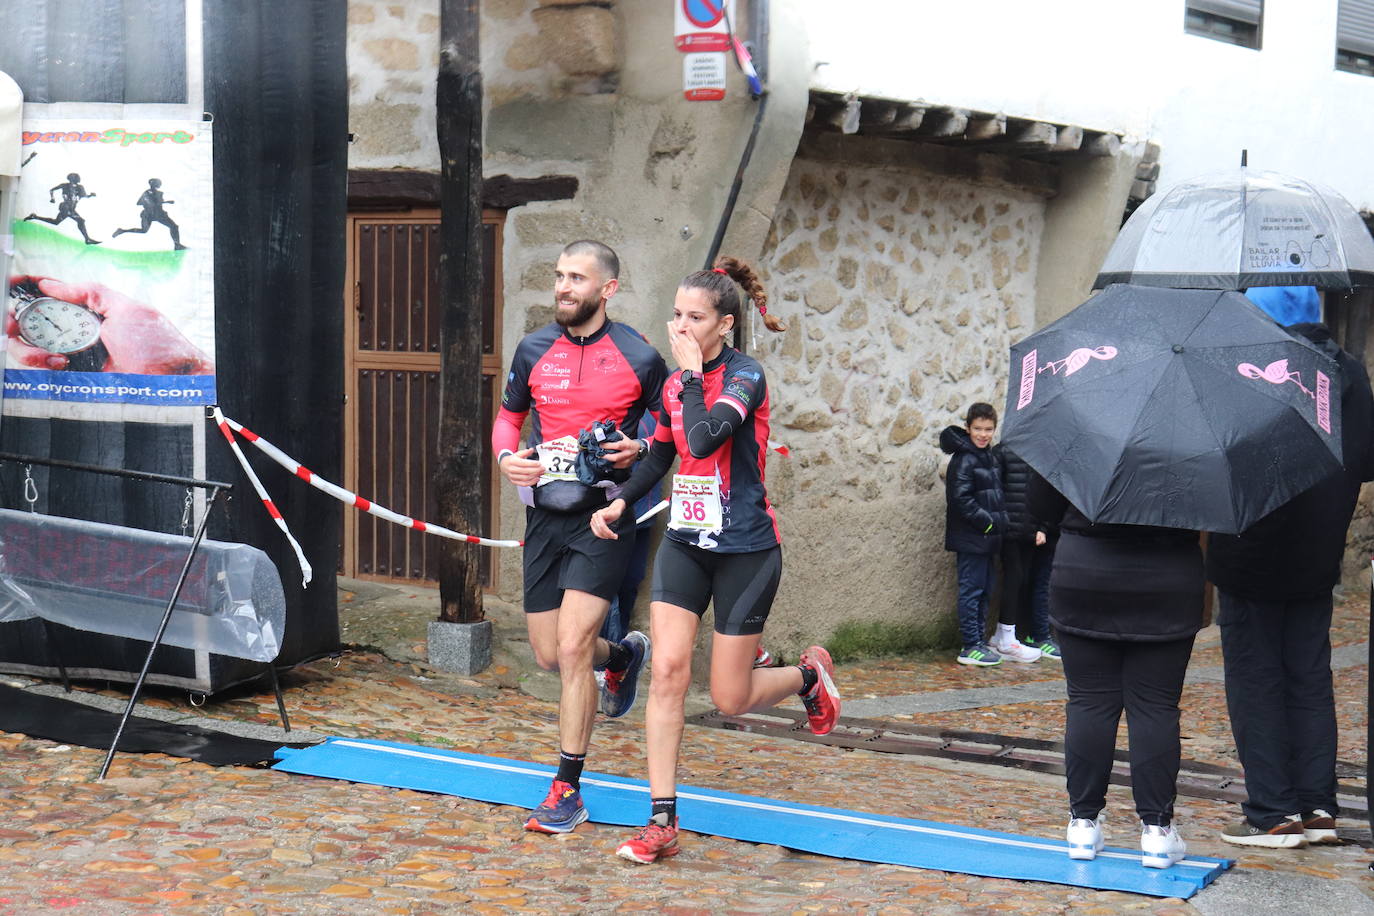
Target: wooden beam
x=1069, y=139
x=850, y=116
x=502, y=192
x=458, y=472
x=902, y=120
x=985, y=127
x=944, y=122
x=399, y=189
x=874, y=117
x=1100, y=144
x=909, y=117
x=843, y=116
x=377, y=189
x=1033, y=133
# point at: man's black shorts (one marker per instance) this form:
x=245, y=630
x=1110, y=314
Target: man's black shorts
x=561, y=552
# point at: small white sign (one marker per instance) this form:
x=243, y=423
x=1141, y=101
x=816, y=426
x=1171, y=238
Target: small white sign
x=703, y=76
x=699, y=25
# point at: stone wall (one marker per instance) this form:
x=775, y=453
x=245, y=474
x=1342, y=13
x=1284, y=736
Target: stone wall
x=591, y=90
x=902, y=290
x=393, y=56
x=529, y=47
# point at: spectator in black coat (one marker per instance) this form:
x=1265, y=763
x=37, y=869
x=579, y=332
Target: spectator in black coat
x=1274, y=585
x=974, y=521
x=1027, y=557
x=1126, y=603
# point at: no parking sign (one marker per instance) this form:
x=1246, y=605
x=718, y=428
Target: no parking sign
x=699, y=25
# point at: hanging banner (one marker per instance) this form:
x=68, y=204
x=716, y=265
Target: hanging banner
x=699, y=25
x=703, y=77
x=111, y=290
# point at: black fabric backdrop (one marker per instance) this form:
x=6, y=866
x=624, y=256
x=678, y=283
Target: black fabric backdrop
x=277, y=85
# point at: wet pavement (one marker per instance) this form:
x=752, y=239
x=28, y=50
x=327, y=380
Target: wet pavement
x=165, y=835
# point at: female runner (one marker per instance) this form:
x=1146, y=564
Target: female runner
x=722, y=543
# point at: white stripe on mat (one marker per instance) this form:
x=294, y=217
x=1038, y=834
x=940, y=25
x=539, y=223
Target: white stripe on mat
x=756, y=805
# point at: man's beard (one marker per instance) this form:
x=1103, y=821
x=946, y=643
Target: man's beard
x=584, y=312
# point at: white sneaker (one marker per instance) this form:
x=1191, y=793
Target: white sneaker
x=1160, y=847
x=1084, y=837
x=1017, y=651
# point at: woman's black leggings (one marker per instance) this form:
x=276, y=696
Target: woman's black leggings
x=1145, y=679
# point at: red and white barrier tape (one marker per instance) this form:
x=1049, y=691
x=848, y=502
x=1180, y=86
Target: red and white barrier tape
x=228, y=427
x=306, y=572
x=338, y=492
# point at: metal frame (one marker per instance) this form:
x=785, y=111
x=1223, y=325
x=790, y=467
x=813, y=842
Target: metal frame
x=214, y=488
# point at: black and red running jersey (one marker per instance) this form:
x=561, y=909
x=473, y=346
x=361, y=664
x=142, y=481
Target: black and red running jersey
x=720, y=427
x=566, y=384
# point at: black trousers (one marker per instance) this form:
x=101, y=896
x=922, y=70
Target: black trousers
x=1146, y=680
x=1283, y=711
x=1017, y=558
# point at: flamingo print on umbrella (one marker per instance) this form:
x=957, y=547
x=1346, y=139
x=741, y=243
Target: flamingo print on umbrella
x=1077, y=359
x=1276, y=373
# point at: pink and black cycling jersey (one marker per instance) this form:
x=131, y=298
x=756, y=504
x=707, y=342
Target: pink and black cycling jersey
x=718, y=427
x=565, y=384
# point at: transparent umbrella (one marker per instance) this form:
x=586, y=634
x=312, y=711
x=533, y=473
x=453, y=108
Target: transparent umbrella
x=1242, y=228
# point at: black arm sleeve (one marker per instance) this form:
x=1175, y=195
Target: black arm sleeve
x=706, y=432
x=648, y=472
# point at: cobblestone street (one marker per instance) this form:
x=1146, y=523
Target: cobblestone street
x=164, y=835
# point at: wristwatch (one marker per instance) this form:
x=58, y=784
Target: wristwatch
x=643, y=449
x=689, y=376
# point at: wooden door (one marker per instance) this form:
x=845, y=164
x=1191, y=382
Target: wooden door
x=391, y=413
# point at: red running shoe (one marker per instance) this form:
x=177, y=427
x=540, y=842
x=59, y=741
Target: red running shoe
x=763, y=658
x=650, y=843
x=823, y=701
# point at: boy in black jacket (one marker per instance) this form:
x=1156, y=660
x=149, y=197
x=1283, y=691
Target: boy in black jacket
x=975, y=518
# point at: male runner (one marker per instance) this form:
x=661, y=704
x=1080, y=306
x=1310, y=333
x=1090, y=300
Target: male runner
x=72, y=193
x=151, y=202
x=581, y=369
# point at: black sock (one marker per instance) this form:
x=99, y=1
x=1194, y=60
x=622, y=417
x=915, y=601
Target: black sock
x=667, y=807
x=619, y=658
x=809, y=679
x=570, y=768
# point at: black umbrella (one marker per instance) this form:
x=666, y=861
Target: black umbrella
x=1242, y=228
x=1172, y=407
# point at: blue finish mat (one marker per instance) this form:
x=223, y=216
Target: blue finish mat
x=826, y=831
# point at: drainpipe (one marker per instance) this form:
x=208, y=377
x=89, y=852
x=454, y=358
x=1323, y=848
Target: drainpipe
x=758, y=28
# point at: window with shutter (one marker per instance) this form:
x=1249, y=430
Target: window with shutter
x=1238, y=22
x=1355, y=36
